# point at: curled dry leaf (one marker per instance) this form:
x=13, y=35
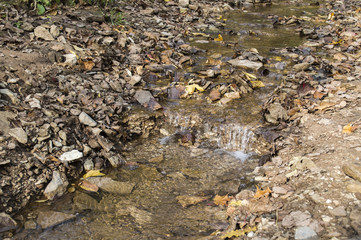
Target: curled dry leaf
x=93, y=173
x=240, y=232
x=261, y=193
x=221, y=200
x=86, y=185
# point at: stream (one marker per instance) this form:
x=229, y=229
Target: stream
x=173, y=181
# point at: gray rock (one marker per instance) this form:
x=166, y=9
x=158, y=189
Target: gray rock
x=147, y=100
x=71, y=156
x=339, y=212
x=305, y=233
x=10, y=95
x=51, y=218
x=301, y=66
x=19, y=134
x=4, y=122
x=56, y=187
x=184, y=3
x=87, y=120
x=246, y=64
x=30, y=225
x=54, y=30
x=355, y=217
x=41, y=32
x=112, y=186
x=7, y=223
x=88, y=165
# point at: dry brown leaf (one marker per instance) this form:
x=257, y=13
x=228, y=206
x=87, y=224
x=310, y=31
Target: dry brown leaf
x=86, y=185
x=261, y=193
x=318, y=95
x=88, y=65
x=349, y=129
x=221, y=200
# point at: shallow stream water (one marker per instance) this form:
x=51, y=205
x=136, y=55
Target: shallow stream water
x=164, y=171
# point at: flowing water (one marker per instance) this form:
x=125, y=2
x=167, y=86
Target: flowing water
x=165, y=173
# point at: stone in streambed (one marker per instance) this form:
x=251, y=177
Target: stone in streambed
x=245, y=64
x=305, y=233
x=112, y=186
x=352, y=170
x=147, y=100
x=87, y=120
x=19, y=134
x=6, y=223
x=51, y=218
x=56, y=187
x=338, y=211
x=71, y=156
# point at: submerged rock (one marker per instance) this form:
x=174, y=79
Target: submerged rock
x=51, y=218
x=112, y=186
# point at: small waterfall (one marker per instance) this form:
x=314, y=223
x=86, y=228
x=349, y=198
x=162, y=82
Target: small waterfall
x=228, y=136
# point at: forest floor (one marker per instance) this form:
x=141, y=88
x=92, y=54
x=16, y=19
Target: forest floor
x=68, y=81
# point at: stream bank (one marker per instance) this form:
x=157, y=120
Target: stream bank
x=279, y=109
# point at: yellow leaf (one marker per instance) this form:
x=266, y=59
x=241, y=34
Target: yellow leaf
x=93, y=173
x=219, y=38
x=88, y=65
x=261, y=193
x=278, y=58
x=248, y=75
x=240, y=232
x=257, y=84
x=221, y=200
x=41, y=200
x=348, y=129
x=235, y=203
x=88, y=186
x=191, y=88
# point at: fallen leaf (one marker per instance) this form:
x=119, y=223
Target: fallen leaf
x=249, y=76
x=191, y=88
x=219, y=38
x=348, y=129
x=240, y=232
x=236, y=203
x=221, y=200
x=88, y=65
x=93, y=173
x=318, y=95
x=54, y=159
x=88, y=186
x=41, y=200
x=261, y=193
x=257, y=84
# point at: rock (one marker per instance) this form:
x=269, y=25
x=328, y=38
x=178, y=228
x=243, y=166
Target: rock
x=4, y=122
x=71, y=156
x=354, y=188
x=114, y=159
x=83, y=201
x=305, y=233
x=56, y=187
x=105, y=143
x=301, y=66
x=87, y=120
x=140, y=216
x=338, y=211
x=41, y=32
x=88, y=165
x=112, y=186
x=214, y=94
x=49, y=219
x=183, y=3
x=157, y=159
x=276, y=113
x=297, y=218
x=54, y=30
x=147, y=100
x=355, y=217
x=246, y=64
x=135, y=79
x=19, y=134
x=30, y=225
x=279, y=190
x=352, y=170
x=7, y=223
x=10, y=95
x=232, y=95
x=187, y=201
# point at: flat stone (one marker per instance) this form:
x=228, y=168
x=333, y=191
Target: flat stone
x=246, y=64
x=56, y=187
x=41, y=32
x=112, y=186
x=71, y=156
x=19, y=134
x=147, y=100
x=352, y=170
x=87, y=120
x=30, y=225
x=338, y=211
x=354, y=188
x=49, y=219
x=7, y=223
x=279, y=190
x=305, y=233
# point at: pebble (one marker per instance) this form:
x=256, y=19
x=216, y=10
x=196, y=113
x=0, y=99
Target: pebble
x=56, y=187
x=41, y=32
x=6, y=223
x=87, y=120
x=245, y=64
x=338, y=211
x=71, y=156
x=305, y=233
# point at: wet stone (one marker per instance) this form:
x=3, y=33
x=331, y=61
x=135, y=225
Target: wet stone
x=112, y=186
x=51, y=218
x=6, y=223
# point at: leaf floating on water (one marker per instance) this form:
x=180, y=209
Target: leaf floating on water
x=261, y=193
x=219, y=38
x=221, y=200
x=257, y=84
x=93, y=173
x=191, y=88
x=240, y=232
x=88, y=186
